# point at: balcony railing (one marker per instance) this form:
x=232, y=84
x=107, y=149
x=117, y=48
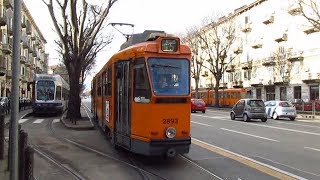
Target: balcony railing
x=311, y=78
x=238, y=50
x=3, y=19
x=257, y=44
x=247, y=65
x=295, y=56
x=309, y=30
x=9, y=74
x=6, y=48
x=283, y=37
x=237, y=84
x=230, y=68
x=270, y=61
x=23, y=59
x=8, y=3
x=205, y=74
x=268, y=19
x=281, y=80
x=23, y=24
x=246, y=28
x=24, y=78
x=294, y=9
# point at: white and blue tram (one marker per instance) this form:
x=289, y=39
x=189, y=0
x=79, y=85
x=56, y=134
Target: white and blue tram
x=50, y=94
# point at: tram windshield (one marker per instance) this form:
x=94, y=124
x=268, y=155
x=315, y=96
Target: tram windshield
x=45, y=90
x=169, y=76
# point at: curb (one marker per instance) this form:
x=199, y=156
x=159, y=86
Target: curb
x=309, y=117
x=77, y=127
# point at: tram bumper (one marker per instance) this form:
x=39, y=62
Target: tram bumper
x=159, y=147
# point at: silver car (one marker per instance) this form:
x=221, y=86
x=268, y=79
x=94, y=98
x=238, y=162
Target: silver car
x=280, y=109
x=249, y=109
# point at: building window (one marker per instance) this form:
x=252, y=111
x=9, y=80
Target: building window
x=297, y=92
x=270, y=93
x=314, y=92
x=259, y=93
x=283, y=93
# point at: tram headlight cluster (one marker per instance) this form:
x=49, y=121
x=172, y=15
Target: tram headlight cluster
x=171, y=132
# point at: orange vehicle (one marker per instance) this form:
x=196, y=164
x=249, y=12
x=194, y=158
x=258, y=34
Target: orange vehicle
x=227, y=97
x=141, y=97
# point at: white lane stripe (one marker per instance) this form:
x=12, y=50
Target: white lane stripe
x=38, y=121
x=297, y=124
x=56, y=121
x=250, y=159
x=249, y=135
x=201, y=124
x=269, y=126
x=22, y=120
x=312, y=148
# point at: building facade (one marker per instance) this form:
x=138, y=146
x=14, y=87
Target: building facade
x=276, y=53
x=33, y=58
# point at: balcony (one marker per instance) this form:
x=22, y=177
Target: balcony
x=295, y=56
x=23, y=78
x=257, y=44
x=247, y=65
x=294, y=9
x=238, y=50
x=33, y=66
x=268, y=61
x=230, y=68
x=8, y=3
x=283, y=37
x=268, y=19
x=23, y=59
x=25, y=43
x=223, y=85
x=309, y=78
x=23, y=24
x=310, y=30
x=9, y=74
x=28, y=63
x=28, y=29
x=281, y=80
x=205, y=74
x=6, y=48
x=237, y=84
x=3, y=20
x=246, y=28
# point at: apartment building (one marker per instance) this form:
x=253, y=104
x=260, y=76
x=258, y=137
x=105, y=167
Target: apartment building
x=33, y=58
x=276, y=53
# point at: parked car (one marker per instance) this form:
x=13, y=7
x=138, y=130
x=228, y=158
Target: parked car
x=298, y=103
x=249, y=109
x=307, y=106
x=198, y=105
x=281, y=109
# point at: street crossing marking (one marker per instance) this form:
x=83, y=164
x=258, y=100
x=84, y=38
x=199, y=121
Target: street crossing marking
x=312, y=149
x=249, y=135
x=56, y=121
x=38, y=121
x=22, y=120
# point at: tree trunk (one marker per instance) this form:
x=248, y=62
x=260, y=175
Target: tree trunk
x=216, y=95
x=197, y=88
x=74, y=95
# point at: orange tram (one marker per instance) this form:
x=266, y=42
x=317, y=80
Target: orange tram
x=141, y=97
x=227, y=97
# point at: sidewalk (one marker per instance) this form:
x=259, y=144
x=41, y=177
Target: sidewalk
x=83, y=124
x=4, y=174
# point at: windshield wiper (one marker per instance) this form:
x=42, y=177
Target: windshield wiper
x=166, y=66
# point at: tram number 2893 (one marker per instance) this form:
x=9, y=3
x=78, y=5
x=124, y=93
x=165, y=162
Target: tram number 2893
x=170, y=121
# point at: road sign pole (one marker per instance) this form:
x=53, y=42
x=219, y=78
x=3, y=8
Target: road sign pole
x=13, y=154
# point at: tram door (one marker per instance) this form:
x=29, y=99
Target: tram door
x=123, y=103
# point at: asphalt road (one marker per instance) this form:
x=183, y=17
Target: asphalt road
x=292, y=147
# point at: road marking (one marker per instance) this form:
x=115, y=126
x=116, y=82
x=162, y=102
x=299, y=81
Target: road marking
x=270, y=170
x=297, y=124
x=249, y=135
x=22, y=120
x=38, y=121
x=56, y=121
x=201, y=124
x=314, y=121
x=268, y=126
x=312, y=148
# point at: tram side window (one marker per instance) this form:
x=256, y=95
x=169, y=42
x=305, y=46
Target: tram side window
x=58, y=93
x=142, y=92
x=99, y=86
x=109, y=81
x=105, y=83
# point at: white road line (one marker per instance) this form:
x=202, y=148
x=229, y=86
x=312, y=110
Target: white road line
x=38, y=121
x=268, y=126
x=56, y=121
x=298, y=124
x=22, y=120
x=249, y=134
x=202, y=124
x=312, y=149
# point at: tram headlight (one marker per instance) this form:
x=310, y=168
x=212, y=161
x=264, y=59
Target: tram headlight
x=171, y=132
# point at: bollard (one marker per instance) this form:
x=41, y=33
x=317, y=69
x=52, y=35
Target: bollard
x=23, y=142
x=2, y=118
x=29, y=163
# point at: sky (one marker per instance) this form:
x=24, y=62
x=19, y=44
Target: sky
x=171, y=16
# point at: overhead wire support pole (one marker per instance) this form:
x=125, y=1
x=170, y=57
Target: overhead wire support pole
x=15, y=64
x=127, y=36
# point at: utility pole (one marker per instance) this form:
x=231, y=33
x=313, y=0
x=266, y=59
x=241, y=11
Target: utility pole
x=13, y=154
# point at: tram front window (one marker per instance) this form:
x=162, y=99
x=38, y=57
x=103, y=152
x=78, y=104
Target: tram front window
x=45, y=90
x=169, y=76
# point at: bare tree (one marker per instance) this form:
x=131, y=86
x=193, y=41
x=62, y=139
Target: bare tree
x=197, y=59
x=78, y=26
x=310, y=9
x=282, y=67
x=216, y=39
